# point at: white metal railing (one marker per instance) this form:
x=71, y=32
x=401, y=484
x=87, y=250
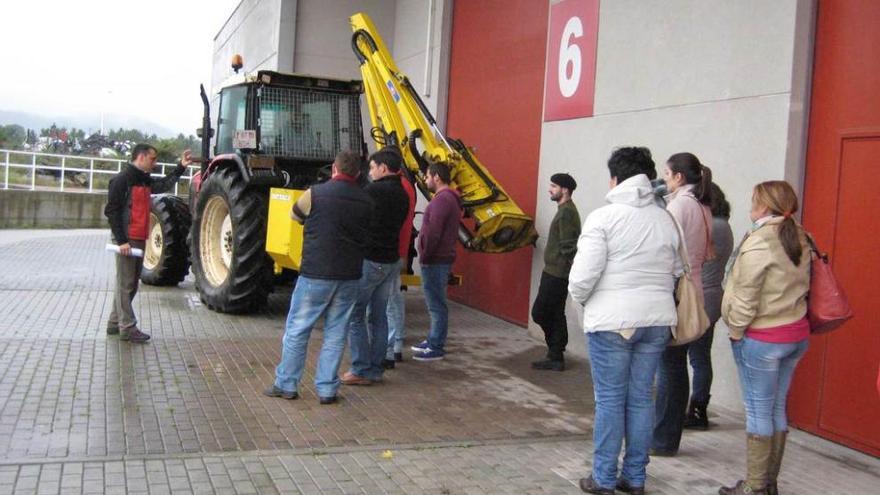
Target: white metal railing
x=111, y=167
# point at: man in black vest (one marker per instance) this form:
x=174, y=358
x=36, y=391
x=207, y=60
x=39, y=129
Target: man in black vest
x=381, y=267
x=336, y=215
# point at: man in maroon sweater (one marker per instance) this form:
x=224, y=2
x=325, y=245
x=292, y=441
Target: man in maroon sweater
x=436, y=246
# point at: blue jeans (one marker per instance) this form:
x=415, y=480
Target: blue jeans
x=368, y=342
x=435, y=278
x=396, y=318
x=311, y=299
x=765, y=372
x=700, y=357
x=623, y=375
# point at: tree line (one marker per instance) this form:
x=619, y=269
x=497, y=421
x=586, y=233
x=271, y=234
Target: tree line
x=60, y=139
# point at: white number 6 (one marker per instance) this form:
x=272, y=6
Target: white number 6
x=570, y=53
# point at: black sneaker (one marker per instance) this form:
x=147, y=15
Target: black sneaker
x=421, y=346
x=274, y=391
x=398, y=357
x=113, y=330
x=697, y=418
x=549, y=364
x=134, y=335
x=326, y=401
x=429, y=355
x=388, y=364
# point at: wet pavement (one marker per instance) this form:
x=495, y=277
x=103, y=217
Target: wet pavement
x=84, y=412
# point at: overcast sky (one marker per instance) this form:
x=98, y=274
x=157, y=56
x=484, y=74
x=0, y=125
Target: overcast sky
x=143, y=58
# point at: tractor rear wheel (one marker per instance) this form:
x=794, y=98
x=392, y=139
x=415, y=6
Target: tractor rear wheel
x=228, y=244
x=166, y=257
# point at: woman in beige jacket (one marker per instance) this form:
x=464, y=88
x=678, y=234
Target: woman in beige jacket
x=765, y=307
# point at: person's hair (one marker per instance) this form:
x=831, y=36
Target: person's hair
x=348, y=162
x=389, y=157
x=718, y=202
x=141, y=149
x=440, y=170
x=780, y=199
x=694, y=172
x=629, y=161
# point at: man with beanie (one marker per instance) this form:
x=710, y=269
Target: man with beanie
x=548, y=311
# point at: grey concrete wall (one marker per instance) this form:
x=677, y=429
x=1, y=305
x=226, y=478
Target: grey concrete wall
x=259, y=31
x=421, y=49
x=727, y=81
x=51, y=209
x=323, y=35
x=314, y=37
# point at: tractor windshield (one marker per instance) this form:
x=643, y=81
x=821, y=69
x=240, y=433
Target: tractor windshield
x=232, y=117
x=308, y=124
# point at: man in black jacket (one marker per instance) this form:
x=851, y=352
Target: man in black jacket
x=381, y=266
x=128, y=211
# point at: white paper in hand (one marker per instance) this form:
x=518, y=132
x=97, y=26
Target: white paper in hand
x=139, y=253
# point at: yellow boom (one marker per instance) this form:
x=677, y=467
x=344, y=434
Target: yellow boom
x=401, y=119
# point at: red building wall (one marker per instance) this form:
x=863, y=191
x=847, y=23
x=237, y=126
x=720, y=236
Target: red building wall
x=834, y=393
x=496, y=85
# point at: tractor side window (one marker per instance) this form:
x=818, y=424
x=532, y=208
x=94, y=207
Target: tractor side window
x=232, y=117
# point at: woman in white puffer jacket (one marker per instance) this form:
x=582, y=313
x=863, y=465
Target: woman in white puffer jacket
x=623, y=275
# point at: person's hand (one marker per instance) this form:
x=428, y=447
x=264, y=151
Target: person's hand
x=125, y=249
x=186, y=159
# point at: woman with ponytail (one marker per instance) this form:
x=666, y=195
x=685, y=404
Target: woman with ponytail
x=765, y=307
x=689, y=184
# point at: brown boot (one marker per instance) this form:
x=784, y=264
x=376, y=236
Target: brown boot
x=777, y=450
x=757, y=466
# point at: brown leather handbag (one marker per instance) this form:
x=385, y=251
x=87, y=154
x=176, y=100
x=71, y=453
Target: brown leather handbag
x=692, y=319
x=827, y=305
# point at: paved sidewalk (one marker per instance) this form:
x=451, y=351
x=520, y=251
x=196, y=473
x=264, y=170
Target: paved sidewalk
x=83, y=412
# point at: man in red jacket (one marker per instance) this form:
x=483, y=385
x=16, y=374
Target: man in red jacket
x=128, y=211
x=437, y=240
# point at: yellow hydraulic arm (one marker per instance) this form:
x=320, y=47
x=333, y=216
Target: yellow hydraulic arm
x=401, y=119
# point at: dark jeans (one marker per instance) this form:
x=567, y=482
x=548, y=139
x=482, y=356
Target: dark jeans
x=700, y=357
x=548, y=311
x=672, y=398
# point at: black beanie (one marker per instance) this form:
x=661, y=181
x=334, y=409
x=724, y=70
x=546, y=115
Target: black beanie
x=564, y=180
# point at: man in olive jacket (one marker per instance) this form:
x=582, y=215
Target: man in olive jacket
x=548, y=311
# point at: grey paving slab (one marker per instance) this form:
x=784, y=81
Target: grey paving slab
x=81, y=412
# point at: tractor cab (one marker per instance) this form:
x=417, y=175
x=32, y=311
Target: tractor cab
x=287, y=128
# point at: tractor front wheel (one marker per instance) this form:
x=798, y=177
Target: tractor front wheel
x=228, y=243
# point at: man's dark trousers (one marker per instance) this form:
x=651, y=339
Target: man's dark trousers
x=548, y=311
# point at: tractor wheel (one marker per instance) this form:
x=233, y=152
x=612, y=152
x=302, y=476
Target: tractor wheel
x=228, y=244
x=166, y=257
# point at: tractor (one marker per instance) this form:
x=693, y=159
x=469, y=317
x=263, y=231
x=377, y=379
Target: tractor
x=276, y=135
